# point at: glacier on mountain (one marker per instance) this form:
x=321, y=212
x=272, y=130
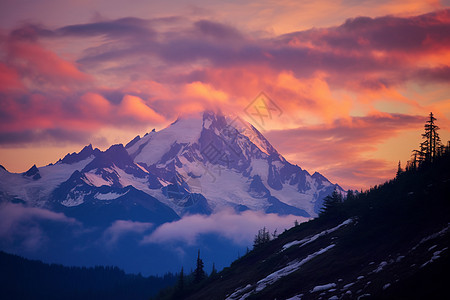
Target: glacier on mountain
x=198, y=164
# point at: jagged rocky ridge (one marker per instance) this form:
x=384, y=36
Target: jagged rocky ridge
x=196, y=165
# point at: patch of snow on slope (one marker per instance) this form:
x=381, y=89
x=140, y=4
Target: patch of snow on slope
x=290, y=195
x=239, y=292
x=245, y=128
x=296, y=297
x=290, y=268
x=311, y=239
x=109, y=196
x=207, y=123
x=243, y=293
x=142, y=168
x=96, y=180
x=36, y=192
x=380, y=267
x=324, y=287
x=223, y=187
x=70, y=202
x=182, y=131
x=260, y=167
x=436, y=255
x=347, y=286
x=432, y=236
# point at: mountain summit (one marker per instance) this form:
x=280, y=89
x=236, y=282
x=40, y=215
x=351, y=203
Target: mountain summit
x=117, y=203
x=198, y=164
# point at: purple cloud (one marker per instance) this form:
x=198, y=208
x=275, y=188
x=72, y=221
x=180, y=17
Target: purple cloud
x=120, y=28
x=239, y=228
x=51, y=136
x=121, y=228
x=21, y=223
x=217, y=30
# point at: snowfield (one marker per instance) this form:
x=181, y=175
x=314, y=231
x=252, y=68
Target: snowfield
x=311, y=239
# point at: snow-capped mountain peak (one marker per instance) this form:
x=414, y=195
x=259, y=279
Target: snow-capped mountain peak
x=198, y=164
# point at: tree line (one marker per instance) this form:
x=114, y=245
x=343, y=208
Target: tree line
x=186, y=283
x=431, y=150
x=21, y=278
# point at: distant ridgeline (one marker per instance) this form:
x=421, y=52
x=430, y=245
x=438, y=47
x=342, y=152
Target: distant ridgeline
x=389, y=242
x=21, y=278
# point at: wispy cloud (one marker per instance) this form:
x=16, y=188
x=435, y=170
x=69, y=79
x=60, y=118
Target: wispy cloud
x=23, y=225
x=340, y=149
x=238, y=228
x=120, y=228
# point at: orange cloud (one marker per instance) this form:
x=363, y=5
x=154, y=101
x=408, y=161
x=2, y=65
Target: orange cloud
x=321, y=78
x=204, y=92
x=134, y=107
x=345, y=149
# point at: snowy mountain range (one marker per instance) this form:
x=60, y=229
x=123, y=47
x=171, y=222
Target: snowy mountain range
x=197, y=165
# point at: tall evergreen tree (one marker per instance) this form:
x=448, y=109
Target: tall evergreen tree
x=429, y=148
x=199, y=273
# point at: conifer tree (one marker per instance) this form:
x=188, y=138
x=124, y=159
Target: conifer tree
x=415, y=160
x=262, y=237
x=331, y=202
x=431, y=145
x=199, y=273
x=350, y=195
x=399, y=169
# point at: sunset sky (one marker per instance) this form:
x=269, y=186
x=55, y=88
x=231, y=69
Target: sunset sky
x=354, y=80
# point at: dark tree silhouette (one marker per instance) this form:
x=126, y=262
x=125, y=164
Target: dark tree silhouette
x=350, y=195
x=431, y=146
x=262, y=237
x=414, y=162
x=399, y=169
x=331, y=203
x=199, y=273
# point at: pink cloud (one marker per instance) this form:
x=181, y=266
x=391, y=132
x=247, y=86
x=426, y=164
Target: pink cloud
x=42, y=69
x=9, y=78
x=138, y=74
